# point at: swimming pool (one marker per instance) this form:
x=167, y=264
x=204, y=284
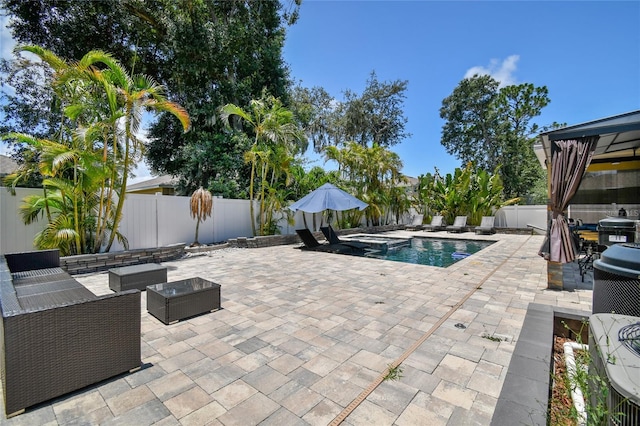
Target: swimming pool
x=432, y=251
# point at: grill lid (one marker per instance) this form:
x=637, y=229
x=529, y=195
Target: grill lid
x=617, y=223
x=620, y=259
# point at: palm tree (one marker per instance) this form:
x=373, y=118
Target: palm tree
x=102, y=106
x=71, y=176
x=201, y=205
x=275, y=137
x=138, y=93
x=371, y=172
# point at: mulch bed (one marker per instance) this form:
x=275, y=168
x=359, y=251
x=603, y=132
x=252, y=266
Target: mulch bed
x=561, y=403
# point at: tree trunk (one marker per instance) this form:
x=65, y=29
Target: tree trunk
x=196, y=242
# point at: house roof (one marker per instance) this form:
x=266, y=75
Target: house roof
x=7, y=165
x=619, y=137
x=164, y=181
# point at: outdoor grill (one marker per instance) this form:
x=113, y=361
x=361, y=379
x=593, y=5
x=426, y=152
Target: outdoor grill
x=614, y=230
x=616, y=280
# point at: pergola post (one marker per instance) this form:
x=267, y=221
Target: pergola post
x=554, y=275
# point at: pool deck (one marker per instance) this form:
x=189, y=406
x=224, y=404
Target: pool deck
x=306, y=337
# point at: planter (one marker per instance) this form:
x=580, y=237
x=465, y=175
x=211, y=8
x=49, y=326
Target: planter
x=524, y=398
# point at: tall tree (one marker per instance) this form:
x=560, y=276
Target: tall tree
x=89, y=161
x=375, y=117
x=315, y=111
x=208, y=53
x=372, y=173
x=276, y=139
x=471, y=122
x=516, y=106
x=491, y=127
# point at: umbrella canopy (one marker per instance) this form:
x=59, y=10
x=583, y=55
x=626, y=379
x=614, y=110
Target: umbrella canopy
x=327, y=197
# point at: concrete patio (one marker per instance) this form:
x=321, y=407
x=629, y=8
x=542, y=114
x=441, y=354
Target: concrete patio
x=306, y=337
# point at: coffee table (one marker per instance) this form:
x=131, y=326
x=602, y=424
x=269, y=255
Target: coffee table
x=136, y=276
x=173, y=301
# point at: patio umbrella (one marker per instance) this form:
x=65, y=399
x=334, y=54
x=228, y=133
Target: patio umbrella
x=327, y=197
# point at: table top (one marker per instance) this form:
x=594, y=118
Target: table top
x=182, y=287
x=135, y=269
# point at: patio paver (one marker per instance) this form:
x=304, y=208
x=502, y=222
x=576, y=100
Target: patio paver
x=302, y=334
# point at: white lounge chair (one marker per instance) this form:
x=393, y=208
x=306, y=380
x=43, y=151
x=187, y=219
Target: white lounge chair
x=416, y=224
x=486, y=225
x=459, y=224
x=437, y=224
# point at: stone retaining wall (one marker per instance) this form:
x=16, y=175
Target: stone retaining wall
x=518, y=231
x=86, y=263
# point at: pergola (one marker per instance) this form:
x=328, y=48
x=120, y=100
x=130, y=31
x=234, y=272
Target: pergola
x=611, y=143
x=619, y=138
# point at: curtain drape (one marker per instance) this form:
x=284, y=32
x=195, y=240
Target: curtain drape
x=569, y=160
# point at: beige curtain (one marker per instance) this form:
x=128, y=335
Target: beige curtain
x=569, y=160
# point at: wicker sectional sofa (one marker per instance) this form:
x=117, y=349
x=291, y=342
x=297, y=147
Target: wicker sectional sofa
x=56, y=336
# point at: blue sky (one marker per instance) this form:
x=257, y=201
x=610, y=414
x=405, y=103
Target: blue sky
x=586, y=53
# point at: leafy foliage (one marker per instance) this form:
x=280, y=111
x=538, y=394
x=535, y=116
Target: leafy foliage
x=208, y=53
x=86, y=167
x=372, y=175
x=491, y=127
x=276, y=140
x=468, y=192
x=375, y=117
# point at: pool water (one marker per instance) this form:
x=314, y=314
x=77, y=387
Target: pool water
x=432, y=251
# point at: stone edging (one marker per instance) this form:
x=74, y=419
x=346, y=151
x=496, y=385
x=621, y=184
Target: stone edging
x=524, y=398
x=86, y=263
x=278, y=240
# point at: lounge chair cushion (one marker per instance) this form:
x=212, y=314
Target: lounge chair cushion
x=459, y=224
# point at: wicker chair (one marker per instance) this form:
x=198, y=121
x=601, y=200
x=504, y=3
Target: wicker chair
x=57, y=336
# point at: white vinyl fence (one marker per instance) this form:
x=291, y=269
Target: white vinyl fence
x=156, y=220
x=15, y=236
x=147, y=221
x=522, y=217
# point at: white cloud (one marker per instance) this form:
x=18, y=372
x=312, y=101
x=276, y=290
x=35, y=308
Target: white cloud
x=503, y=72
